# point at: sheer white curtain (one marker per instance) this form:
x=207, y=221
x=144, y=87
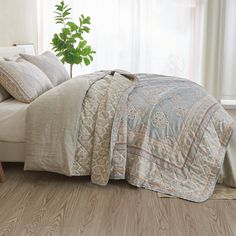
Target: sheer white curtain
x=217, y=44
x=184, y=38
x=137, y=35
x=228, y=88
x=211, y=42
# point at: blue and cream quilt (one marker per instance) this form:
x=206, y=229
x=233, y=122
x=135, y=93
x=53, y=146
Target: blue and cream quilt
x=162, y=133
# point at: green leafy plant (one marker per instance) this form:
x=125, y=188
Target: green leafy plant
x=70, y=44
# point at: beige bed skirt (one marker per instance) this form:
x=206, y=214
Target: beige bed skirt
x=12, y=152
x=15, y=152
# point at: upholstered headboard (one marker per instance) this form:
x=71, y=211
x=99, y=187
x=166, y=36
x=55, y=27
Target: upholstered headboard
x=11, y=52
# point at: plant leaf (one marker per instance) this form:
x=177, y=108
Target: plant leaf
x=72, y=25
x=82, y=44
x=86, y=29
x=90, y=57
x=87, y=20
x=86, y=61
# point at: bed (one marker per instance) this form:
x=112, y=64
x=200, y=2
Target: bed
x=162, y=133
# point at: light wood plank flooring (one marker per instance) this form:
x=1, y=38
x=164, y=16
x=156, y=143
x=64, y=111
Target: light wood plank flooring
x=36, y=203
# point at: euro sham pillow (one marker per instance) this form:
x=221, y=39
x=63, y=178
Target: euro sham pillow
x=23, y=80
x=50, y=65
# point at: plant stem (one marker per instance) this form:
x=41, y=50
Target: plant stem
x=71, y=69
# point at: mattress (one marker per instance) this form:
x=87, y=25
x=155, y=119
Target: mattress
x=12, y=120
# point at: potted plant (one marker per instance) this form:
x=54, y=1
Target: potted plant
x=70, y=44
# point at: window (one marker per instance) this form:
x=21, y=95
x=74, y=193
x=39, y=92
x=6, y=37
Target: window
x=152, y=36
x=186, y=38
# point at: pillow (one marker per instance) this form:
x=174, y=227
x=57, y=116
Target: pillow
x=23, y=80
x=3, y=94
x=10, y=58
x=50, y=65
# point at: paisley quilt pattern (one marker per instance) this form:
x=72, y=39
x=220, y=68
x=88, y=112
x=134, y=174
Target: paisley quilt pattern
x=162, y=133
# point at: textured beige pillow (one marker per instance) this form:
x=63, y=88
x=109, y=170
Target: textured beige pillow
x=50, y=65
x=3, y=94
x=23, y=80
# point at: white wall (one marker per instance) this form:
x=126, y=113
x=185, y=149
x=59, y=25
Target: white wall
x=18, y=22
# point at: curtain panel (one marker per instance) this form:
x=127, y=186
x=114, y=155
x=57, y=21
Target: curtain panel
x=185, y=38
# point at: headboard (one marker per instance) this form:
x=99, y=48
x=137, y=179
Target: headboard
x=11, y=52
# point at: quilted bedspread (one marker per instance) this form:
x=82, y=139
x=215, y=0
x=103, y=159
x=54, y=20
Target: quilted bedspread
x=162, y=133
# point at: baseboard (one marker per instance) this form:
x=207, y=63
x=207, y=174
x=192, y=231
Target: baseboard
x=229, y=104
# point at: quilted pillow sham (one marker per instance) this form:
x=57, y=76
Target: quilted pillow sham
x=23, y=80
x=50, y=65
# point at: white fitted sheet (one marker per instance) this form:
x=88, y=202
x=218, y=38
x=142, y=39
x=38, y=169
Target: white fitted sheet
x=12, y=120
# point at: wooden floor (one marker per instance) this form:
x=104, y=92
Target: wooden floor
x=36, y=203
